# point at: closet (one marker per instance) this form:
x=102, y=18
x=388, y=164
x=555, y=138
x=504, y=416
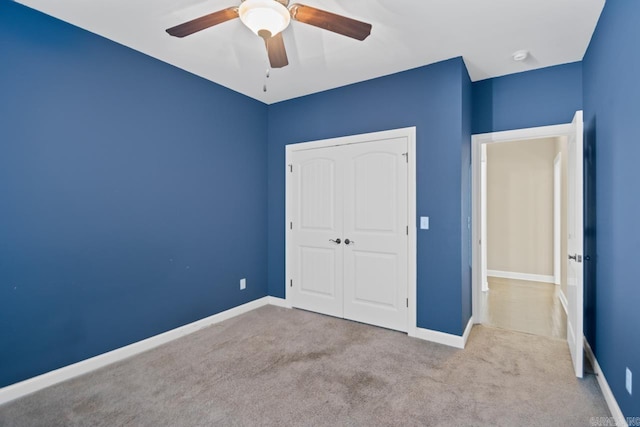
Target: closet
x=347, y=241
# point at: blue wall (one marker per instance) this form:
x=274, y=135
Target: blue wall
x=132, y=201
x=548, y=96
x=436, y=99
x=612, y=109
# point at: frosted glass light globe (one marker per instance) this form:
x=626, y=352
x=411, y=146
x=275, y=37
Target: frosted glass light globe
x=264, y=15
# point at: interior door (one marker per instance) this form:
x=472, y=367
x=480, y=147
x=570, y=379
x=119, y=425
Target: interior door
x=575, y=279
x=376, y=233
x=317, y=249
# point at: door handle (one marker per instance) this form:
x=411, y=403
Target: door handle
x=573, y=257
x=347, y=241
x=337, y=241
x=576, y=257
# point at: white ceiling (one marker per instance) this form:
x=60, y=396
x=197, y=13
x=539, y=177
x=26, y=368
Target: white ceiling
x=406, y=34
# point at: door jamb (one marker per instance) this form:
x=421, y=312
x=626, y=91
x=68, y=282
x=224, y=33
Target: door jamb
x=477, y=141
x=483, y=217
x=412, y=249
x=557, y=218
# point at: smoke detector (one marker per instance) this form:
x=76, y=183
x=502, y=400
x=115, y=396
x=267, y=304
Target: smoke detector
x=520, y=55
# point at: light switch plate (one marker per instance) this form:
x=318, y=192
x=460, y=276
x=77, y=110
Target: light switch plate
x=243, y=284
x=424, y=222
x=629, y=381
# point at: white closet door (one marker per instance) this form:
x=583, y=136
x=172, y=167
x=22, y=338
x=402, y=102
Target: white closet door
x=375, y=233
x=349, y=238
x=317, y=220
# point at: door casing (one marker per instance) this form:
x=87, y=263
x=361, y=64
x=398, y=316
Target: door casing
x=410, y=134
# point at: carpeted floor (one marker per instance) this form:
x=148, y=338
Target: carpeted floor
x=280, y=367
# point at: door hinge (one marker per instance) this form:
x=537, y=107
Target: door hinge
x=290, y=168
x=406, y=157
x=407, y=230
x=290, y=225
x=291, y=283
x=407, y=302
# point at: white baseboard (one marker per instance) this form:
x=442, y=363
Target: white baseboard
x=563, y=300
x=467, y=331
x=485, y=286
x=34, y=384
x=278, y=302
x=521, y=276
x=616, y=413
x=442, y=337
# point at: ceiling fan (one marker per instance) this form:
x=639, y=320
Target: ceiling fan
x=267, y=18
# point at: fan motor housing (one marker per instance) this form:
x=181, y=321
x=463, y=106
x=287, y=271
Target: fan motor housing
x=285, y=3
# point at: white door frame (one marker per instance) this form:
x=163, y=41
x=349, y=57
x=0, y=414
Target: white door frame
x=557, y=218
x=483, y=218
x=477, y=142
x=410, y=134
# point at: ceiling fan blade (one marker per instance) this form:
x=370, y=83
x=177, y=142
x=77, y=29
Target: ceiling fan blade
x=203, y=22
x=330, y=21
x=276, y=51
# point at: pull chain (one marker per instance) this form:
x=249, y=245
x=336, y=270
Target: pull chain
x=264, y=88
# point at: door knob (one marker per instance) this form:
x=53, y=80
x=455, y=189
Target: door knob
x=337, y=241
x=347, y=241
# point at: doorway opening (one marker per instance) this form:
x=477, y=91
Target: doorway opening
x=522, y=187
x=571, y=266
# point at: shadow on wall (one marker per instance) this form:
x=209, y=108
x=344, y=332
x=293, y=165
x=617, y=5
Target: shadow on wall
x=590, y=239
x=482, y=101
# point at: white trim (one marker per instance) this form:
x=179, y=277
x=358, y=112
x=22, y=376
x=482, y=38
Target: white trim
x=520, y=276
x=557, y=216
x=467, y=331
x=477, y=141
x=278, y=302
x=412, y=249
x=412, y=252
x=563, y=301
x=524, y=134
x=484, y=164
x=68, y=372
x=444, y=338
x=612, y=403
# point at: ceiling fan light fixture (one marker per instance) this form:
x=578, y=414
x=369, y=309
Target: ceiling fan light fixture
x=264, y=16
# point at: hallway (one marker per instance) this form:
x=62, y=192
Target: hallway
x=524, y=306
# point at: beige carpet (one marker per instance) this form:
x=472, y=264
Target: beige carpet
x=280, y=367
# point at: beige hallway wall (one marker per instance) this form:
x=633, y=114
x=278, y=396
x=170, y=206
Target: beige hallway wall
x=520, y=206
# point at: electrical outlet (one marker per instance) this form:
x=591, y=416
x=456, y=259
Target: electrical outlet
x=629, y=381
x=243, y=284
